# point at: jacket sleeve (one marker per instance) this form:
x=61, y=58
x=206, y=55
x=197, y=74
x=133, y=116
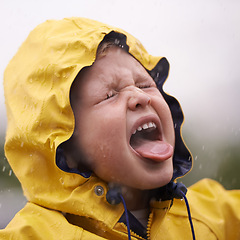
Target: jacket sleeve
x=215, y=214
x=39, y=223
x=35, y=222
x=216, y=207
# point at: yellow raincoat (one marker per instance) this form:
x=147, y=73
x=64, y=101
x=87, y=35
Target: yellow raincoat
x=64, y=204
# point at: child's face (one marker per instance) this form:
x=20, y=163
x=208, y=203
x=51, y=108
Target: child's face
x=117, y=96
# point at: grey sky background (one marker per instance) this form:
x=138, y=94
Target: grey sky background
x=199, y=38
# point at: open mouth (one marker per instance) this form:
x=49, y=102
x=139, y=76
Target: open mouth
x=146, y=132
x=147, y=141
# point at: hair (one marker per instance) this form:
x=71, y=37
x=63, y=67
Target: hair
x=112, y=39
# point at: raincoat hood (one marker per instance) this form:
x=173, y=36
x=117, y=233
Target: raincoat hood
x=37, y=83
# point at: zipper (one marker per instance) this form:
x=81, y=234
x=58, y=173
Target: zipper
x=150, y=219
x=165, y=207
x=149, y=224
x=133, y=234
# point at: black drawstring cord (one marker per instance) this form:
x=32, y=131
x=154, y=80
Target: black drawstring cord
x=188, y=210
x=189, y=215
x=126, y=214
x=175, y=190
x=114, y=197
x=178, y=191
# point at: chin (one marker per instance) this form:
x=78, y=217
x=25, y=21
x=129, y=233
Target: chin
x=154, y=183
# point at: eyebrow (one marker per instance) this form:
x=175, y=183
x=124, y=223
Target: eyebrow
x=143, y=77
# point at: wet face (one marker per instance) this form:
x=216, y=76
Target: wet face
x=124, y=128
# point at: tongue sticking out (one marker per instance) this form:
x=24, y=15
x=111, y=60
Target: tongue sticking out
x=156, y=150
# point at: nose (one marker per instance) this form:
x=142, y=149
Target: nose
x=138, y=99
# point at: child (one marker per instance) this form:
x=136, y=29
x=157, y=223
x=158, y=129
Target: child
x=96, y=142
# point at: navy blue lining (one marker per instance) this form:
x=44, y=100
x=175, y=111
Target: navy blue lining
x=62, y=164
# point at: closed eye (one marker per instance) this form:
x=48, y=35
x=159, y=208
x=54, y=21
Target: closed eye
x=146, y=85
x=110, y=95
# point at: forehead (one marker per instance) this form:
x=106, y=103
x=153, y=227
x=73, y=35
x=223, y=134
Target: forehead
x=114, y=70
x=117, y=61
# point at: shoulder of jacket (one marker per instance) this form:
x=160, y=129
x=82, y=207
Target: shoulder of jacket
x=36, y=222
x=213, y=206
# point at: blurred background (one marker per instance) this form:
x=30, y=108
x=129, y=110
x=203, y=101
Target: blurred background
x=201, y=40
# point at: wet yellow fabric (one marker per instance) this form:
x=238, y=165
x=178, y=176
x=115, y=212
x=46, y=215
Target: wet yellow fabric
x=37, y=82
x=215, y=214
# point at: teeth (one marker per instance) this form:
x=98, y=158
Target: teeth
x=145, y=126
x=150, y=124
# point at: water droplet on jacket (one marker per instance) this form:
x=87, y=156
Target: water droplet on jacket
x=22, y=143
x=61, y=181
x=57, y=74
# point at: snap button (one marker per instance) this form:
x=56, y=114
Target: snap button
x=99, y=190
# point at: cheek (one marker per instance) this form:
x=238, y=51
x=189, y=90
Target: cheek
x=107, y=161
x=165, y=116
x=101, y=137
